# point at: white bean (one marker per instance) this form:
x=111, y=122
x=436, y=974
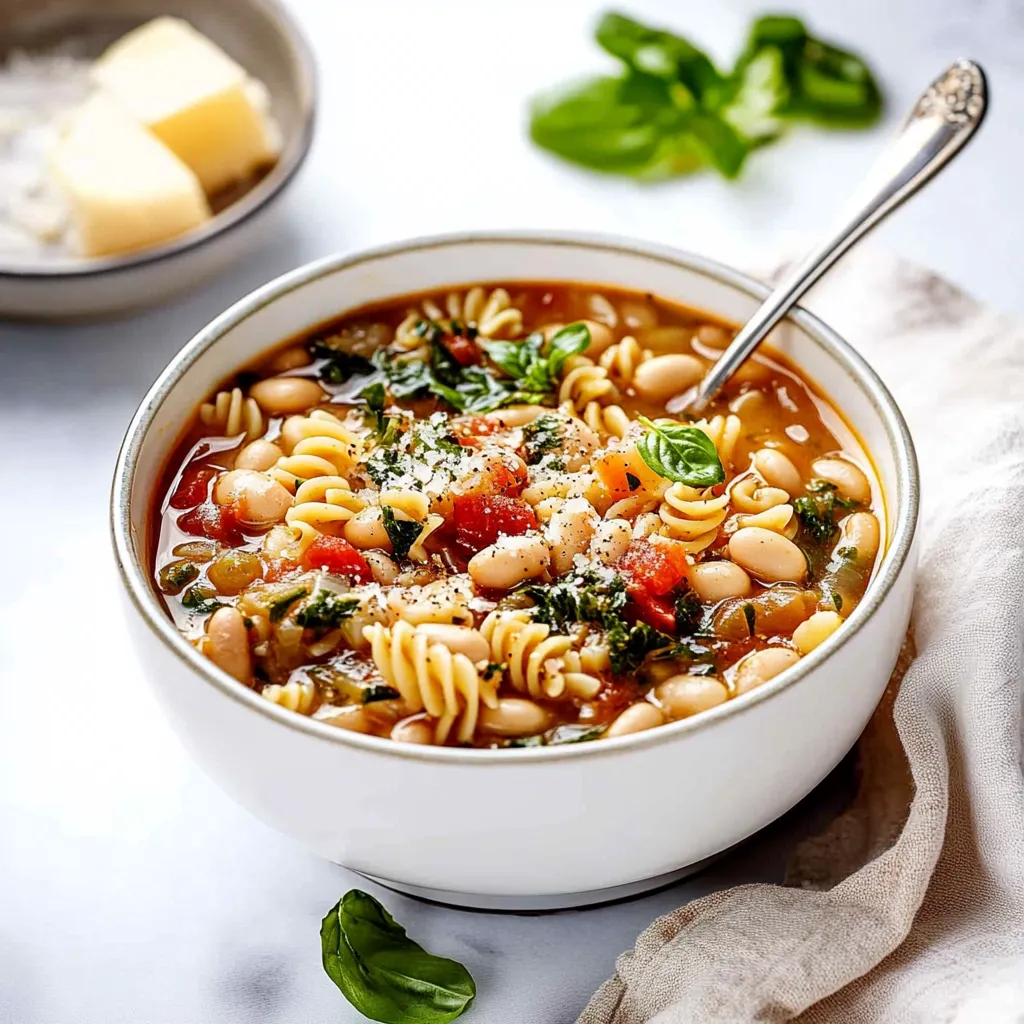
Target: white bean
x=280, y=396
x=289, y=359
x=816, y=630
x=569, y=531
x=516, y=415
x=354, y=719
x=258, y=499
x=413, y=730
x=685, y=695
x=766, y=555
x=601, y=337
x=366, y=530
x=458, y=639
x=778, y=471
x=861, y=532
x=662, y=377
x=509, y=561
x=757, y=668
x=718, y=580
x=383, y=568
x=611, y=540
x=514, y=716
x=849, y=480
x=228, y=643
x=637, y=314
x=668, y=339
x=259, y=455
x=636, y=718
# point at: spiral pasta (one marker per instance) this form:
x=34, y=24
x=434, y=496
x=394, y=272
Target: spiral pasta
x=622, y=359
x=415, y=507
x=583, y=670
x=532, y=655
x=692, y=516
x=231, y=413
x=750, y=494
x=320, y=446
x=490, y=312
x=778, y=519
x=295, y=696
x=611, y=420
x=584, y=382
x=724, y=432
x=431, y=678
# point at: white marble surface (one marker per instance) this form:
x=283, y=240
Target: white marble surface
x=130, y=888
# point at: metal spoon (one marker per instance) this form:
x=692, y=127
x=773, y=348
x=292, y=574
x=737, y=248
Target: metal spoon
x=939, y=126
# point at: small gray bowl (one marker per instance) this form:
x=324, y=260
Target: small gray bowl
x=264, y=39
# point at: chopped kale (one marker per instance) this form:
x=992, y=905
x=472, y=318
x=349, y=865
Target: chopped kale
x=817, y=511
x=689, y=612
x=402, y=533
x=378, y=691
x=541, y=436
x=525, y=741
x=278, y=607
x=200, y=599
x=586, y=596
x=174, y=576
x=628, y=647
x=326, y=610
x=340, y=366
x=575, y=734
x=406, y=377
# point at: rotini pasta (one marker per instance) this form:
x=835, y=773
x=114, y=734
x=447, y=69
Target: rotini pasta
x=531, y=654
x=724, y=432
x=692, y=516
x=431, y=678
x=490, y=313
x=607, y=420
x=583, y=382
x=316, y=445
x=231, y=413
x=749, y=494
x=622, y=359
x=295, y=696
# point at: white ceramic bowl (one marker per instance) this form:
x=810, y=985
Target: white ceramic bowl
x=565, y=825
x=265, y=40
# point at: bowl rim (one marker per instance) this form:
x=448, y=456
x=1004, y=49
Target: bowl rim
x=233, y=216
x=135, y=576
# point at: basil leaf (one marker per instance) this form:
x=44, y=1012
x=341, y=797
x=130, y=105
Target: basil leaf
x=825, y=83
x=514, y=357
x=760, y=92
x=536, y=367
x=681, y=453
x=326, y=610
x=571, y=340
x=406, y=377
x=340, y=365
x=374, y=397
x=402, y=533
x=659, y=54
x=383, y=973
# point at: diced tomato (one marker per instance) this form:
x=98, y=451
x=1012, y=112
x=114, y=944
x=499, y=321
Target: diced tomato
x=462, y=350
x=217, y=522
x=469, y=442
x=336, y=555
x=479, y=521
x=278, y=568
x=508, y=479
x=478, y=426
x=658, y=612
x=193, y=487
x=654, y=568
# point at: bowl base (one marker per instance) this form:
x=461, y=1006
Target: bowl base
x=542, y=904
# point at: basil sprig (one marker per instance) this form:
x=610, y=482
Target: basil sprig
x=383, y=973
x=671, y=110
x=681, y=453
x=535, y=366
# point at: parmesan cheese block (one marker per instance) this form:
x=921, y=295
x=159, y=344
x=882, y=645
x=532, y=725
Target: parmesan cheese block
x=126, y=190
x=193, y=97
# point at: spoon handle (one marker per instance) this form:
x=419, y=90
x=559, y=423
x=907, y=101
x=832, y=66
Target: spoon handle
x=941, y=123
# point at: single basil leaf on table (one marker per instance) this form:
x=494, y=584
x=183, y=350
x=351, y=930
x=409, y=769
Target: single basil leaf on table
x=681, y=453
x=383, y=973
x=759, y=92
x=660, y=54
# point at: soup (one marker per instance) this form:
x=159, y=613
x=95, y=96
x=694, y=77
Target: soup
x=477, y=518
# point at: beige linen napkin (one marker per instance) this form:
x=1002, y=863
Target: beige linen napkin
x=911, y=907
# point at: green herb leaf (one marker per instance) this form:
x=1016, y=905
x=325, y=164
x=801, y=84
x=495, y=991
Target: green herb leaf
x=536, y=367
x=383, y=973
x=340, y=366
x=375, y=398
x=689, y=612
x=201, y=599
x=587, y=596
x=278, y=606
x=174, y=576
x=750, y=614
x=628, y=647
x=326, y=610
x=543, y=435
x=816, y=513
x=681, y=453
x=402, y=533
x=406, y=377
x=575, y=734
